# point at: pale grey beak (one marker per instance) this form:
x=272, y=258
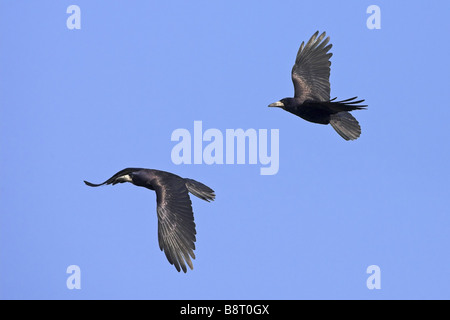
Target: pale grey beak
x=277, y=104
x=125, y=178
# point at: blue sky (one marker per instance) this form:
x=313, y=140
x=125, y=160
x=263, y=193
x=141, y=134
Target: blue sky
x=83, y=104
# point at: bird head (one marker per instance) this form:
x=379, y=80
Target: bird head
x=280, y=104
x=126, y=175
x=124, y=178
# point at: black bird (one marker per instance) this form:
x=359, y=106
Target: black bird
x=176, y=227
x=311, y=101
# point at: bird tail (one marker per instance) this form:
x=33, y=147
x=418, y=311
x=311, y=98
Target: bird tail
x=346, y=105
x=346, y=125
x=200, y=190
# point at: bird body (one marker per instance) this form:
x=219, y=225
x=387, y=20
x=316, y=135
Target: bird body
x=307, y=110
x=317, y=111
x=310, y=76
x=176, y=227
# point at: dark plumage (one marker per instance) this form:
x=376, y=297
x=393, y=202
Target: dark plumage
x=176, y=227
x=311, y=101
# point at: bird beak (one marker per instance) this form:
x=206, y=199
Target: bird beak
x=124, y=178
x=277, y=104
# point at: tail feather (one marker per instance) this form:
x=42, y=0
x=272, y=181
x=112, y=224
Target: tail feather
x=346, y=125
x=200, y=190
x=346, y=105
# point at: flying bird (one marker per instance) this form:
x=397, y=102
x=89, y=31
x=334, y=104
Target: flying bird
x=311, y=101
x=176, y=227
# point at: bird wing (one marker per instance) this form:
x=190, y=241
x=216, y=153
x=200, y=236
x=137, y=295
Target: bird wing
x=176, y=227
x=311, y=71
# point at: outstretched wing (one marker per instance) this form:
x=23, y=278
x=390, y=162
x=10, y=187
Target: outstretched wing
x=176, y=227
x=311, y=71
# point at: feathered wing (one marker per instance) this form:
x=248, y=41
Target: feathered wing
x=311, y=71
x=346, y=125
x=176, y=227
